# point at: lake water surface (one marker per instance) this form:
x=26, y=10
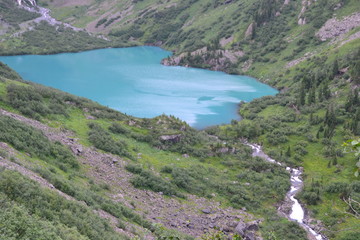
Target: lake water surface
x=133, y=81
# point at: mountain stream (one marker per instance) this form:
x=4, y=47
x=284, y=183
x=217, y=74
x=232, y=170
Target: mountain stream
x=297, y=211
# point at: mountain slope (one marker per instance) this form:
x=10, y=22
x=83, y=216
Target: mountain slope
x=131, y=172
x=281, y=43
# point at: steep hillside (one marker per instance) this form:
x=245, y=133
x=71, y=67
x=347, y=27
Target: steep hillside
x=307, y=49
x=122, y=168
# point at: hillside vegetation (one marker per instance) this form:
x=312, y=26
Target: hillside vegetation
x=309, y=50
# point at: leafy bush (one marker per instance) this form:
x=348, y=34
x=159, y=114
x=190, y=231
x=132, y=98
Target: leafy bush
x=32, y=141
x=147, y=180
x=50, y=208
x=119, y=129
x=101, y=139
x=337, y=187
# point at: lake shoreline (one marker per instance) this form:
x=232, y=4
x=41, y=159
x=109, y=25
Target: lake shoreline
x=131, y=46
x=201, y=97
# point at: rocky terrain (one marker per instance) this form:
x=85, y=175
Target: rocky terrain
x=336, y=28
x=217, y=60
x=194, y=216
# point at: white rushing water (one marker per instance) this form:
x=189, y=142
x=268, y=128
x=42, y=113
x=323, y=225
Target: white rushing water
x=32, y=6
x=297, y=211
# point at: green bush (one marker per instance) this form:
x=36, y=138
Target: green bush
x=50, y=207
x=147, y=180
x=32, y=141
x=101, y=139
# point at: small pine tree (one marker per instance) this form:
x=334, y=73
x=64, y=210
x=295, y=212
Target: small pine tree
x=326, y=91
x=318, y=134
x=288, y=152
x=302, y=94
x=330, y=117
x=335, y=162
x=355, y=71
x=335, y=68
x=311, y=96
x=320, y=94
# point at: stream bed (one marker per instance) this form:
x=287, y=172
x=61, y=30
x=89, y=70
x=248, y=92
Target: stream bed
x=297, y=212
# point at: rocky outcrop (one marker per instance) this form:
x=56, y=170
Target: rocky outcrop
x=225, y=41
x=336, y=28
x=248, y=230
x=299, y=60
x=218, y=60
x=301, y=18
x=171, y=138
x=250, y=30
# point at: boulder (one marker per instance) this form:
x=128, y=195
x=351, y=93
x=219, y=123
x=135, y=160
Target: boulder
x=249, y=236
x=171, y=138
x=250, y=30
x=247, y=230
x=252, y=226
x=241, y=228
x=206, y=211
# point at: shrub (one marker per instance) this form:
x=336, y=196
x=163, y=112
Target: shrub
x=101, y=139
x=337, y=187
x=145, y=179
x=27, y=139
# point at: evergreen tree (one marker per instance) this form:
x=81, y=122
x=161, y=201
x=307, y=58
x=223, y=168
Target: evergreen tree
x=302, y=94
x=352, y=101
x=355, y=71
x=326, y=91
x=349, y=102
x=330, y=116
x=288, y=152
x=330, y=122
x=320, y=94
x=312, y=96
x=335, y=68
x=355, y=123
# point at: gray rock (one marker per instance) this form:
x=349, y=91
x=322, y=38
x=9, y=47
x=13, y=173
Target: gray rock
x=252, y=226
x=241, y=228
x=206, y=211
x=249, y=236
x=171, y=138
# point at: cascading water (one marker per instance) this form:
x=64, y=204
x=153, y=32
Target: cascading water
x=30, y=2
x=32, y=6
x=297, y=211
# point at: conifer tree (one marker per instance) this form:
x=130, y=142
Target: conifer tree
x=326, y=91
x=302, y=94
x=335, y=68
x=288, y=152
x=312, y=96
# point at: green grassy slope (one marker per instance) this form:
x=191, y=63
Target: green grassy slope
x=232, y=176
x=304, y=126
x=310, y=134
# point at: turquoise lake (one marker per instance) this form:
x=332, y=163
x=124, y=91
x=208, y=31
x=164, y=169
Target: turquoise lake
x=133, y=81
